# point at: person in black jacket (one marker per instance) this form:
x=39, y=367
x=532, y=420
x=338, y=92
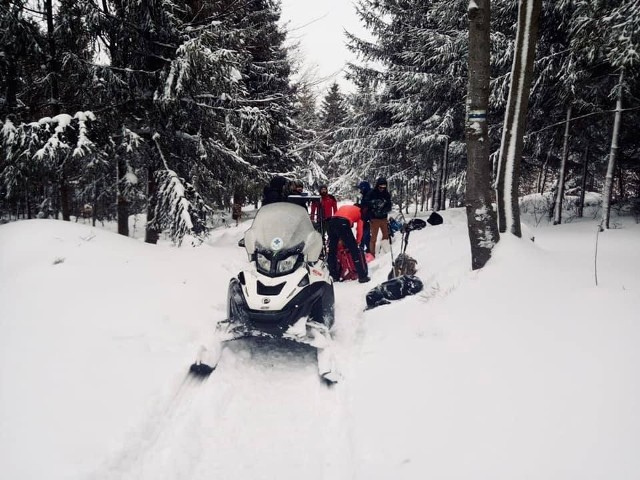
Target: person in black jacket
x=378, y=205
x=275, y=191
x=295, y=194
x=365, y=188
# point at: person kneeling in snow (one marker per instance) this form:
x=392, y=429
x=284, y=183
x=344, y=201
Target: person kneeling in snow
x=339, y=228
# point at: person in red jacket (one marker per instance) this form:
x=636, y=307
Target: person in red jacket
x=323, y=209
x=339, y=228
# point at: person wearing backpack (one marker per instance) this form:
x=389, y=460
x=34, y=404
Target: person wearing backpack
x=378, y=204
x=339, y=228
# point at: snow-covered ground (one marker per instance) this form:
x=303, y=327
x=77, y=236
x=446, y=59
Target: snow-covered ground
x=525, y=369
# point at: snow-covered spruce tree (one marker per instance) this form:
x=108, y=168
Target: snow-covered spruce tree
x=311, y=145
x=21, y=55
x=333, y=116
x=269, y=126
x=609, y=33
x=412, y=84
x=333, y=110
x=36, y=151
x=174, y=81
x=179, y=208
x=481, y=219
x=570, y=72
x=515, y=118
x=45, y=36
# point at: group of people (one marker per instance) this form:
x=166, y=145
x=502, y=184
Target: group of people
x=369, y=216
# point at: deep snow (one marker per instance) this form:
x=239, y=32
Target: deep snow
x=525, y=369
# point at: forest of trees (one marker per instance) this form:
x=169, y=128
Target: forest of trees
x=175, y=108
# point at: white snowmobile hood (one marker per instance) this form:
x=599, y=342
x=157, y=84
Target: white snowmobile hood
x=281, y=226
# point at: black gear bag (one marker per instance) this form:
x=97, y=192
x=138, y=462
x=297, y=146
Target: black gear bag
x=393, y=289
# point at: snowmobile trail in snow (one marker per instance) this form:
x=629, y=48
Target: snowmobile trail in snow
x=144, y=440
x=182, y=439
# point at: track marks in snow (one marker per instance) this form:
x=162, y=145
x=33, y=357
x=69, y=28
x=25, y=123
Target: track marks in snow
x=217, y=428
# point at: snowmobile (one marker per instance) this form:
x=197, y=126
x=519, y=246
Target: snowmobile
x=285, y=293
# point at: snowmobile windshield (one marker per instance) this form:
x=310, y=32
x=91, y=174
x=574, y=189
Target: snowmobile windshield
x=283, y=227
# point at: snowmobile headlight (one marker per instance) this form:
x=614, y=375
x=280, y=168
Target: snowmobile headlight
x=287, y=264
x=263, y=263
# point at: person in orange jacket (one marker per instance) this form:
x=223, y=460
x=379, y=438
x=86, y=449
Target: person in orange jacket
x=339, y=228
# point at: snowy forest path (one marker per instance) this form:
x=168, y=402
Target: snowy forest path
x=203, y=429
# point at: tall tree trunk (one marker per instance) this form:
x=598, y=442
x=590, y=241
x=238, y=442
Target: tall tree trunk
x=54, y=100
x=151, y=233
x=445, y=172
x=583, y=183
x=557, y=215
x=613, y=155
x=481, y=219
x=437, y=192
x=515, y=117
x=94, y=212
x=122, y=206
x=11, y=91
x=620, y=183
x=65, y=201
x=542, y=177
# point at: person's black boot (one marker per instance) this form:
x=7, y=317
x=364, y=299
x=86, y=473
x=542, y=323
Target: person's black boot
x=363, y=279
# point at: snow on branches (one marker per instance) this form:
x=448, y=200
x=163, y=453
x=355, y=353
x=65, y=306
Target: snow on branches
x=179, y=208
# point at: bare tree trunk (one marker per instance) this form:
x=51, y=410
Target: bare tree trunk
x=54, y=100
x=27, y=200
x=481, y=219
x=11, y=100
x=423, y=196
x=557, y=215
x=437, y=193
x=122, y=206
x=583, y=184
x=620, y=183
x=611, y=167
x=542, y=177
x=445, y=172
x=65, y=201
x=94, y=212
x=151, y=234
x=515, y=118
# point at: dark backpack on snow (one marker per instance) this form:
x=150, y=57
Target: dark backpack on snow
x=393, y=289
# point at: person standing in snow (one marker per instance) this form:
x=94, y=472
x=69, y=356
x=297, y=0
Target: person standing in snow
x=339, y=229
x=275, y=191
x=378, y=204
x=323, y=209
x=296, y=193
x=365, y=187
x=236, y=208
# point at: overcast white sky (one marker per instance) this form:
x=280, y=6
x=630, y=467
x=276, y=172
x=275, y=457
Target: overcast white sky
x=319, y=27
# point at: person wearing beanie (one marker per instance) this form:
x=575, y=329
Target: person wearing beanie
x=378, y=204
x=275, y=191
x=296, y=194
